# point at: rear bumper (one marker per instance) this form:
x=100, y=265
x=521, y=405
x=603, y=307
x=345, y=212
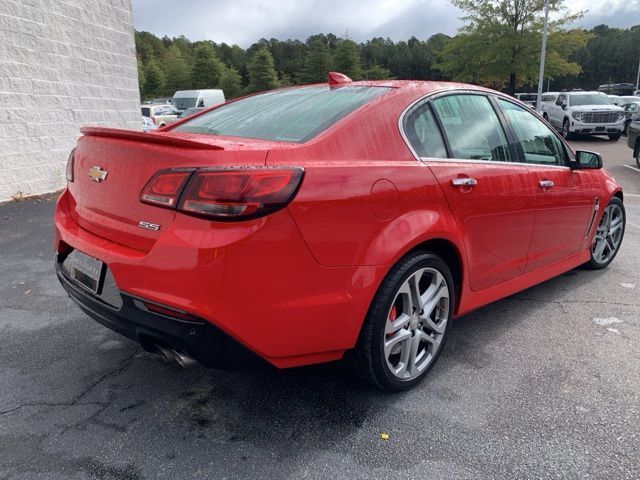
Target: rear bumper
x=195, y=336
x=254, y=282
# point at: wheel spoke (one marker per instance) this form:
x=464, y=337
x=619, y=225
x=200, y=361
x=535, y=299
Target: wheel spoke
x=413, y=337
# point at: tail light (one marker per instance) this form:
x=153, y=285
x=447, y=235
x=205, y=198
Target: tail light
x=165, y=186
x=70, y=165
x=224, y=193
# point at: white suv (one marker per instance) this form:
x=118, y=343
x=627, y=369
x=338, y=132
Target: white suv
x=585, y=113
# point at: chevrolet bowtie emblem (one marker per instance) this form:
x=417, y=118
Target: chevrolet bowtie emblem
x=97, y=174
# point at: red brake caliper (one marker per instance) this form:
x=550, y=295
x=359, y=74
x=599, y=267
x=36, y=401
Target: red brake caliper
x=393, y=314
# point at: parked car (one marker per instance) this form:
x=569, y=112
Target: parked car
x=633, y=140
x=160, y=115
x=631, y=113
x=547, y=100
x=527, y=98
x=147, y=124
x=184, y=99
x=585, y=113
x=190, y=111
x=621, y=101
x=296, y=226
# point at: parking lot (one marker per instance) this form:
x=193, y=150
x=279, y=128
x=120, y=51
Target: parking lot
x=543, y=384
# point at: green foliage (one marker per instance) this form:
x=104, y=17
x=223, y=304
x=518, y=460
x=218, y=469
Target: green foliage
x=140, y=76
x=500, y=44
x=153, y=80
x=207, y=68
x=262, y=73
x=347, y=59
x=177, y=71
x=318, y=63
x=230, y=83
x=376, y=72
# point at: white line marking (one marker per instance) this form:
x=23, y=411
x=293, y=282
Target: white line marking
x=631, y=194
x=632, y=168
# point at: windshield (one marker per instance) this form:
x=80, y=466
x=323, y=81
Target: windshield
x=184, y=103
x=589, y=99
x=290, y=115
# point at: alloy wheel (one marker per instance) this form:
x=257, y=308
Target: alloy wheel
x=416, y=323
x=608, y=234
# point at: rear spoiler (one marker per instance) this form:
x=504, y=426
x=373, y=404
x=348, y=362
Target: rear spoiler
x=157, y=138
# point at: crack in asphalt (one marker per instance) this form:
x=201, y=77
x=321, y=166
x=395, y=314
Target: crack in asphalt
x=76, y=400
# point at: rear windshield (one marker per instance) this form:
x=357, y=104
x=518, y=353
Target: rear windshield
x=291, y=115
x=589, y=99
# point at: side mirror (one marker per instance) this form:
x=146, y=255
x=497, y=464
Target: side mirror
x=564, y=105
x=588, y=160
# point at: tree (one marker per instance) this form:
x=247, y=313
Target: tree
x=376, y=72
x=153, y=79
x=317, y=64
x=501, y=42
x=207, y=68
x=230, y=83
x=348, y=59
x=140, y=76
x=177, y=71
x=262, y=74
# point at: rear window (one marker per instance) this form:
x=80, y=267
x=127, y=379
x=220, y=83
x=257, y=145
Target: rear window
x=291, y=115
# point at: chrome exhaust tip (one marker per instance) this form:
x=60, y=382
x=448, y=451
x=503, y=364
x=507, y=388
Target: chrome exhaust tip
x=171, y=355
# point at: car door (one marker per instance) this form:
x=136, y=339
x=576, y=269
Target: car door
x=490, y=196
x=556, y=113
x=565, y=198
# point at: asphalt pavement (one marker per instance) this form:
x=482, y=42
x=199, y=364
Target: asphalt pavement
x=543, y=384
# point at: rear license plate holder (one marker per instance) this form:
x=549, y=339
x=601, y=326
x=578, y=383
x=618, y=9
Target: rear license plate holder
x=87, y=271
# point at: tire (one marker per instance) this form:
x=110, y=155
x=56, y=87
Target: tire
x=638, y=156
x=609, y=232
x=391, y=332
x=614, y=136
x=566, y=133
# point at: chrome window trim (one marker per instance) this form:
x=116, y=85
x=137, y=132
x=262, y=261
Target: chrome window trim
x=451, y=91
x=490, y=162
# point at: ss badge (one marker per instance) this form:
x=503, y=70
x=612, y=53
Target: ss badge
x=149, y=226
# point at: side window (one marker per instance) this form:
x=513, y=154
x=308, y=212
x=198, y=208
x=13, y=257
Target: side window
x=472, y=127
x=146, y=112
x=423, y=133
x=560, y=100
x=539, y=144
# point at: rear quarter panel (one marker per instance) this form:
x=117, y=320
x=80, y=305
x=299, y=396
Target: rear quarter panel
x=365, y=200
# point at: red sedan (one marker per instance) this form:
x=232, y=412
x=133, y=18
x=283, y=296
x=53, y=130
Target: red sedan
x=308, y=224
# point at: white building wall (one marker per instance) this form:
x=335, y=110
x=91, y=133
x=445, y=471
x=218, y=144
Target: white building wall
x=63, y=64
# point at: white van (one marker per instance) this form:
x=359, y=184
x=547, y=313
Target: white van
x=184, y=99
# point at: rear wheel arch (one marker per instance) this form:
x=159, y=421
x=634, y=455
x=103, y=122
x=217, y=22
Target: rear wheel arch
x=449, y=252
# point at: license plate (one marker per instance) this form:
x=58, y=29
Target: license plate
x=599, y=129
x=86, y=270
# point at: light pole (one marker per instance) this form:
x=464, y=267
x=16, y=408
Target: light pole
x=638, y=80
x=543, y=53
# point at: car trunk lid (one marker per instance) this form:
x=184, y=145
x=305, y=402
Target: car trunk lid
x=112, y=167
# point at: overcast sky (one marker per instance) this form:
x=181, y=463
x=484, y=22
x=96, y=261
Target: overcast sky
x=245, y=21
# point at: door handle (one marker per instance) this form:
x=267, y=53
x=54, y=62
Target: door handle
x=546, y=183
x=464, y=182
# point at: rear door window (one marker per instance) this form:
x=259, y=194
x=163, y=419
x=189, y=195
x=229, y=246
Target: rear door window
x=290, y=115
x=472, y=127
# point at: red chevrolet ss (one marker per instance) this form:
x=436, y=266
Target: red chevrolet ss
x=308, y=224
